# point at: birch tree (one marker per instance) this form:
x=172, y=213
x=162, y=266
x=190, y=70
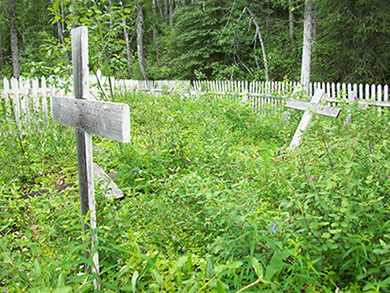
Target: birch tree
x=258, y=33
x=171, y=8
x=140, y=46
x=126, y=37
x=291, y=20
x=14, y=39
x=307, y=44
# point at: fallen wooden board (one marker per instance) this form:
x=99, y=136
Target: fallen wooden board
x=111, y=190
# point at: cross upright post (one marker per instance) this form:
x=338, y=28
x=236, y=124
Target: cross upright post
x=107, y=119
x=79, y=37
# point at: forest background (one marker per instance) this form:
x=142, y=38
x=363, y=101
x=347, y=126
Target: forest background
x=199, y=39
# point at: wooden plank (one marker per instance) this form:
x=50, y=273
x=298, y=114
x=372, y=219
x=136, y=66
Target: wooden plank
x=79, y=37
x=44, y=98
x=306, y=118
x=107, y=119
x=323, y=110
x=351, y=98
x=111, y=190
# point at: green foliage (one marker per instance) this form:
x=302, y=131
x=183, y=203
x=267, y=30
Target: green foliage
x=211, y=204
x=354, y=41
x=209, y=39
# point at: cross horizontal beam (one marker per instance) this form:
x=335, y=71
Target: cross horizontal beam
x=107, y=119
x=318, y=109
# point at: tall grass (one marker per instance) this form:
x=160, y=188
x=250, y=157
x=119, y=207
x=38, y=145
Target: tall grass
x=212, y=202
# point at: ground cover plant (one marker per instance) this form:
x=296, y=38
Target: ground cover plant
x=214, y=202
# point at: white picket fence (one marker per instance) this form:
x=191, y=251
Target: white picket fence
x=28, y=100
x=275, y=93
x=31, y=97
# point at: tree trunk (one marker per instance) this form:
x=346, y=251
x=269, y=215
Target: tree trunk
x=155, y=41
x=140, y=47
x=291, y=21
x=160, y=9
x=171, y=12
x=14, y=39
x=1, y=49
x=258, y=32
x=60, y=32
x=307, y=42
x=166, y=11
x=126, y=37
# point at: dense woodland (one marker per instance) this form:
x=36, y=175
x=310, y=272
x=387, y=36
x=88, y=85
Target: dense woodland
x=200, y=39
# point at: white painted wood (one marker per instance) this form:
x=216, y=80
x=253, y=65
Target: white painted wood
x=16, y=101
x=355, y=90
x=344, y=95
x=379, y=96
x=35, y=99
x=24, y=101
x=107, y=119
x=349, y=91
x=306, y=118
x=361, y=92
x=351, y=98
x=44, y=98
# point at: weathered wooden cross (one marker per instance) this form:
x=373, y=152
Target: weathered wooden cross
x=310, y=108
x=107, y=119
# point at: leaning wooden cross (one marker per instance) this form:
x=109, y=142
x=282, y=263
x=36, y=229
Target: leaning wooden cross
x=107, y=119
x=310, y=108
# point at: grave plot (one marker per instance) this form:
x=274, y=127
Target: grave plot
x=309, y=109
x=107, y=119
x=208, y=207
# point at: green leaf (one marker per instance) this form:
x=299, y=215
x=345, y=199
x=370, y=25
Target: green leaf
x=234, y=265
x=37, y=269
x=220, y=287
x=63, y=289
x=257, y=267
x=209, y=268
x=158, y=277
x=182, y=260
x=61, y=281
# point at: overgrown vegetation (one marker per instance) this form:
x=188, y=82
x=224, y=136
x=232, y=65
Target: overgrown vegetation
x=213, y=203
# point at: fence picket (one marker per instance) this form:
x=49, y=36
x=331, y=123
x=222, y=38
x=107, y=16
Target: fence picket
x=34, y=95
x=44, y=98
x=379, y=96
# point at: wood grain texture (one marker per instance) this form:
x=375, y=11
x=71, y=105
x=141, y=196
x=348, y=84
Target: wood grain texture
x=306, y=118
x=79, y=37
x=107, y=119
x=323, y=110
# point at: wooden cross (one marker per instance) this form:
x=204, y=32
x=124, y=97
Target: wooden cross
x=107, y=119
x=310, y=108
